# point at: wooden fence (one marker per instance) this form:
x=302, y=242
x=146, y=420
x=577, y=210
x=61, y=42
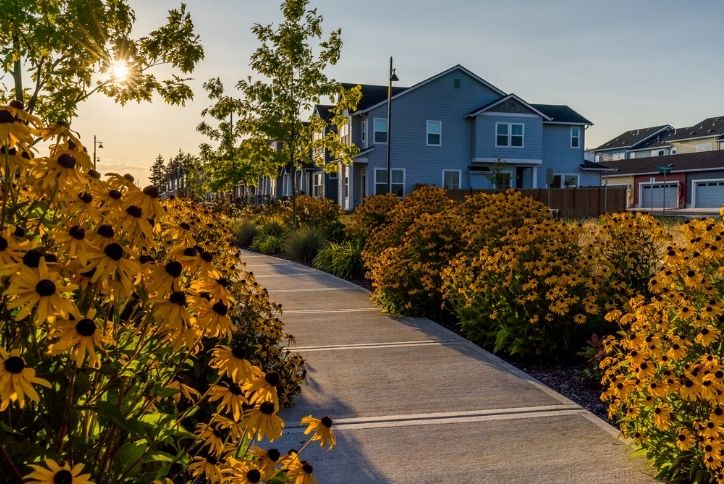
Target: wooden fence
x=568, y=202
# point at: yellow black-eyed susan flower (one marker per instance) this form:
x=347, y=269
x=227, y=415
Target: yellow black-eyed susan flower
x=321, y=430
x=266, y=461
x=206, y=466
x=243, y=472
x=231, y=398
x=16, y=380
x=231, y=362
x=54, y=473
x=262, y=387
x=40, y=290
x=82, y=336
x=262, y=422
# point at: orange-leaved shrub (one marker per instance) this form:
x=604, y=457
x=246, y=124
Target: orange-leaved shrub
x=374, y=213
x=664, y=373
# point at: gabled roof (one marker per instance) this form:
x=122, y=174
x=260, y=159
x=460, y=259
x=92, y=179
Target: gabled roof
x=705, y=160
x=559, y=113
x=372, y=95
x=633, y=137
x=324, y=111
x=365, y=107
x=707, y=128
x=491, y=105
x=593, y=166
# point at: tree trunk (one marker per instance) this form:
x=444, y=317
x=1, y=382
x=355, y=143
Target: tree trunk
x=294, y=191
x=17, y=69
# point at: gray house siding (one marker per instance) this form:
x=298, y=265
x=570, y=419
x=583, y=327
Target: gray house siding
x=561, y=158
x=438, y=100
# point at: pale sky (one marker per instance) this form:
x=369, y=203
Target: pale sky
x=623, y=64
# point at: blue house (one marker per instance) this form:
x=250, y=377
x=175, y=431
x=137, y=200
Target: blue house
x=450, y=130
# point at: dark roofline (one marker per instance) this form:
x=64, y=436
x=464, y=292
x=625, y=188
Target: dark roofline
x=682, y=163
x=503, y=99
x=637, y=142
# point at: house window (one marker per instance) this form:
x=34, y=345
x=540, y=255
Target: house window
x=346, y=185
x=398, y=181
x=509, y=135
x=562, y=180
x=575, y=137
x=661, y=152
x=434, y=133
x=333, y=175
x=363, y=132
x=344, y=134
x=380, y=127
x=317, y=185
x=451, y=179
x=456, y=83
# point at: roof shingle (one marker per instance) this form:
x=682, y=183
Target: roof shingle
x=709, y=127
x=561, y=114
x=372, y=94
x=705, y=160
x=633, y=137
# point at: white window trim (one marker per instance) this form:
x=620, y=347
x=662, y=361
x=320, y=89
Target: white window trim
x=577, y=137
x=427, y=132
x=460, y=177
x=694, y=183
x=563, y=179
x=653, y=181
x=364, y=132
x=404, y=178
x=510, y=136
x=374, y=131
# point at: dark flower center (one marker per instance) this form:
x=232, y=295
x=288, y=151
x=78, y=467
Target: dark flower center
x=691, y=273
x=146, y=259
x=235, y=389
x=94, y=174
x=67, y=161
x=238, y=352
x=78, y=233
x=190, y=252
x=106, y=231
x=115, y=194
x=178, y=298
x=223, y=282
x=51, y=258
x=151, y=191
x=17, y=104
x=32, y=259
x=682, y=437
x=273, y=455
x=206, y=257
x=3, y=243
x=89, y=274
x=14, y=364
x=134, y=211
x=184, y=226
x=85, y=327
x=272, y=378
x=173, y=269
x=86, y=197
x=253, y=475
x=307, y=468
x=327, y=422
x=19, y=232
x=129, y=177
x=220, y=308
x=267, y=408
x=45, y=288
x=6, y=117
x=114, y=251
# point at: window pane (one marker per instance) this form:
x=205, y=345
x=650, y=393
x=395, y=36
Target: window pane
x=517, y=129
x=451, y=179
x=380, y=137
x=433, y=139
x=516, y=141
x=503, y=129
x=380, y=124
x=434, y=127
x=570, y=181
x=380, y=188
x=398, y=189
x=397, y=176
x=382, y=176
x=502, y=140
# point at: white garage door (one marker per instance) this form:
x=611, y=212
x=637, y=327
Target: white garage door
x=709, y=194
x=652, y=196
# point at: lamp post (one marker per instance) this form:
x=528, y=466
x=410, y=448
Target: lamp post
x=99, y=145
x=392, y=77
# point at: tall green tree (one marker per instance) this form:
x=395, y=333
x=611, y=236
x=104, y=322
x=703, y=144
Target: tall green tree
x=290, y=65
x=158, y=172
x=56, y=53
x=187, y=171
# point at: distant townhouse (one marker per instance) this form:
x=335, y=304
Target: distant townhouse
x=664, y=140
x=452, y=130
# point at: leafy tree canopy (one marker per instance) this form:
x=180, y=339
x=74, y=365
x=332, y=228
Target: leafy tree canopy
x=56, y=53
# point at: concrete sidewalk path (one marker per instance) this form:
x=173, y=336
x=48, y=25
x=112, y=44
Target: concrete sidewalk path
x=414, y=403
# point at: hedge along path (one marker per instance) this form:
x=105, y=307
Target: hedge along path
x=414, y=402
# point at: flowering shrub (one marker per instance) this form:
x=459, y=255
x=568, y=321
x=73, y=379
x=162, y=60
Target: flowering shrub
x=530, y=295
x=664, y=374
x=374, y=212
x=320, y=213
x=132, y=345
x=406, y=278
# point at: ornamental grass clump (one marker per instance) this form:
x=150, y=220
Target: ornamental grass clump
x=133, y=347
x=343, y=259
x=664, y=372
x=303, y=244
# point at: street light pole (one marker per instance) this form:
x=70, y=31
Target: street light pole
x=392, y=77
x=99, y=145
